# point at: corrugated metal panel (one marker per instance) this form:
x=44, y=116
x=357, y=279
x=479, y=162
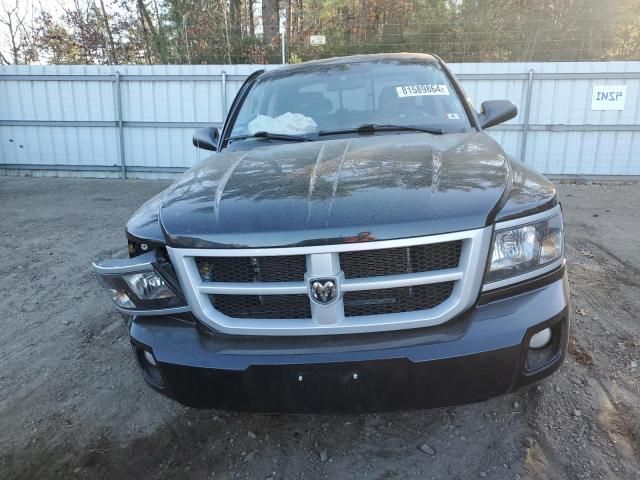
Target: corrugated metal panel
x=58, y=145
x=160, y=104
x=559, y=102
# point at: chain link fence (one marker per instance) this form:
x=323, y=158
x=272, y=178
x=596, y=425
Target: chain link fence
x=455, y=42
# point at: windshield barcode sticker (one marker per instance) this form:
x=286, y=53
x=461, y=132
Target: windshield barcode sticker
x=420, y=90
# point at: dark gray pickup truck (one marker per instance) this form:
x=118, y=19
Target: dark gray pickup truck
x=356, y=243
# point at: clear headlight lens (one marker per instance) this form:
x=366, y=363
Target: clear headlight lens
x=148, y=286
x=138, y=291
x=525, y=248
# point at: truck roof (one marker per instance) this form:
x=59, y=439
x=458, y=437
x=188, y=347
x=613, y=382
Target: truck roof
x=369, y=58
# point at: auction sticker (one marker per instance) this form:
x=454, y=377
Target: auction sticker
x=422, y=90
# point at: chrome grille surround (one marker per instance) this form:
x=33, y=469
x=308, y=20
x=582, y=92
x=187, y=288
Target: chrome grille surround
x=324, y=261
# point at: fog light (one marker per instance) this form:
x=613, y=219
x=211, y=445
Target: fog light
x=540, y=339
x=148, y=356
x=149, y=366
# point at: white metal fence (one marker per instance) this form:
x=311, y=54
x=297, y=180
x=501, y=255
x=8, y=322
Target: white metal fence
x=137, y=121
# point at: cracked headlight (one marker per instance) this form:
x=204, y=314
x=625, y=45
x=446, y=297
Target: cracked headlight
x=148, y=286
x=523, y=249
x=136, y=286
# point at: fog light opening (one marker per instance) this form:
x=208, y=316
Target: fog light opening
x=148, y=356
x=149, y=366
x=540, y=339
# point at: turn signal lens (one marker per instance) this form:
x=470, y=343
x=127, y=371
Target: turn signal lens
x=121, y=298
x=551, y=248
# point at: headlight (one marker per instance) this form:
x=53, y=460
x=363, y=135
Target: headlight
x=525, y=249
x=148, y=286
x=136, y=286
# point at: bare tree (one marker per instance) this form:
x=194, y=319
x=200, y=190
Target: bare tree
x=226, y=31
x=270, y=9
x=149, y=29
x=252, y=24
x=107, y=27
x=15, y=22
x=235, y=18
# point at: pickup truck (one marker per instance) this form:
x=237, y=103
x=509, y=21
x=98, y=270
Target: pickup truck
x=357, y=242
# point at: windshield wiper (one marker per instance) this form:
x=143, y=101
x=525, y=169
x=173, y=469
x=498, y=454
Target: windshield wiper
x=273, y=136
x=373, y=127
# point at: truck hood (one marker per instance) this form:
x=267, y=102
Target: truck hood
x=372, y=187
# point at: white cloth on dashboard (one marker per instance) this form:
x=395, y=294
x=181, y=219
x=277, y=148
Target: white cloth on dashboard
x=285, y=124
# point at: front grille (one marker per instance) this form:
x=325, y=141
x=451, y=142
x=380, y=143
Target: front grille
x=396, y=300
x=399, y=261
x=244, y=292
x=289, y=268
x=262, y=306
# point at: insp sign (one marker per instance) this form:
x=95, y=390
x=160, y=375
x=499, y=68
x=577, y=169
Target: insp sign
x=608, y=97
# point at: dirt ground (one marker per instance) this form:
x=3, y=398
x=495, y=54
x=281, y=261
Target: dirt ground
x=73, y=405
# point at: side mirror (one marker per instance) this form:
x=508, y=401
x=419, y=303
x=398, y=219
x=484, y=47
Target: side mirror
x=495, y=112
x=206, y=138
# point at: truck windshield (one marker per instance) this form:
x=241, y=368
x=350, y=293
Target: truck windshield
x=343, y=97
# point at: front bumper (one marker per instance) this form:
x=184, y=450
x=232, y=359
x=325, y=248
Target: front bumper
x=480, y=354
